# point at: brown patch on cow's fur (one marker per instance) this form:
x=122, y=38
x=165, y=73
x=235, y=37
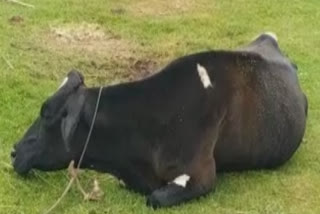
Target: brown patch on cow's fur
x=158, y=8
x=86, y=39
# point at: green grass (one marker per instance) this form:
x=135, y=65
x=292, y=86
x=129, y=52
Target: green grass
x=141, y=36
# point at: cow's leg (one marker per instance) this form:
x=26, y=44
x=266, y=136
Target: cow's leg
x=198, y=176
x=199, y=181
x=137, y=181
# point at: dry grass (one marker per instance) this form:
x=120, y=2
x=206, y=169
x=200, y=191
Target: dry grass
x=160, y=8
x=86, y=39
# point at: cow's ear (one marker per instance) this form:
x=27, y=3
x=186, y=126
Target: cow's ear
x=54, y=107
x=71, y=116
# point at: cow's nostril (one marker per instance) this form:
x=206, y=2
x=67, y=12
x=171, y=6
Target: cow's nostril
x=13, y=154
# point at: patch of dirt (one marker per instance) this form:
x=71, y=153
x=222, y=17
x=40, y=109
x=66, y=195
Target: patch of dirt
x=161, y=7
x=101, y=55
x=117, y=11
x=142, y=68
x=16, y=20
x=127, y=70
x=86, y=39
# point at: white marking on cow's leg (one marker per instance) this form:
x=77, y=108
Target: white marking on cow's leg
x=205, y=79
x=273, y=35
x=63, y=82
x=181, y=180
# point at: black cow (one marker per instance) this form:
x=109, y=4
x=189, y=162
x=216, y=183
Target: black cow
x=168, y=134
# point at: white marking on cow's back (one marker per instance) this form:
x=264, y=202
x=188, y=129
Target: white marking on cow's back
x=181, y=180
x=273, y=35
x=205, y=79
x=63, y=82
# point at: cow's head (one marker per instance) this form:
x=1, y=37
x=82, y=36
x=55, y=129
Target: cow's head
x=46, y=143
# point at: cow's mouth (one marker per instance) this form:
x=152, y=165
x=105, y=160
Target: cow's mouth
x=21, y=166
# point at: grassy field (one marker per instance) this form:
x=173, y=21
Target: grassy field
x=118, y=40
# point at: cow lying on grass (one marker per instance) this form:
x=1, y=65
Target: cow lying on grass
x=166, y=136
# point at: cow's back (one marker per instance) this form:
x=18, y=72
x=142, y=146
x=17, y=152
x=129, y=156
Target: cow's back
x=266, y=115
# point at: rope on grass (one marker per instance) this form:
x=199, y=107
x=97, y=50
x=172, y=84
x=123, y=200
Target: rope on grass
x=71, y=167
x=21, y=3
x=95, y=194
x=8, y=62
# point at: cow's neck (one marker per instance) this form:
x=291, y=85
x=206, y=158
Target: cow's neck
x=102, y=154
